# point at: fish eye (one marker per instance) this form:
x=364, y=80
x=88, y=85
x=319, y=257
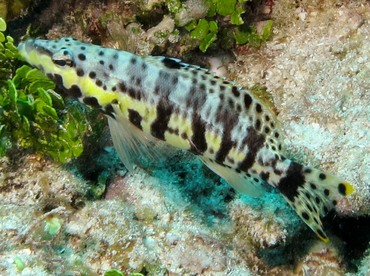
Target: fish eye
x=63, y=58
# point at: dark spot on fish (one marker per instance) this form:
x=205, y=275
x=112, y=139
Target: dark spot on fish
x=157, y=90
x=91, y=101
x=80, y=72
x=265, y=175
x=305, y=216
x=171, y=64
x=247, y=101
x=101, y=53
x=222, y=87
x=258, y=124
x=211, y=90
x=313, y=186
x=231, y=102
x=267, y=118
x=109, y=110
x=135, y=94
x=83, y=48
x=81, y=57
x=322, y=176
x=99, y=83
x=114, y=88
x=213, y=82
x=58, y=80
x=276, y=135
x=317, y=199
x=122, y=86
x=307, y=170
x=273, y=148
x=258, y=108
x=184, y=136
x=74, y=91
x=175, y=80
x=202, y=87
x=101, y=62
x=294, y=179
x=238, y=108
x=144, y=66
x=334, y=202
x=326, y=192
x=133, y=60
x=110, y=67
x=326, y=209
x=92, y=75
x=235, y=91
x=342, y=189
x=267, y=129
x=115, y=56
x=135, y=118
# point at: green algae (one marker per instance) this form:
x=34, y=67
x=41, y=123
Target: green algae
x=32, y=115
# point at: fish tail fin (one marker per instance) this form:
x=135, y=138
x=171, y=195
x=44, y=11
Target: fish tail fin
x=313, y=193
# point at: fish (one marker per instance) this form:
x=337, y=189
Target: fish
x=155, y=99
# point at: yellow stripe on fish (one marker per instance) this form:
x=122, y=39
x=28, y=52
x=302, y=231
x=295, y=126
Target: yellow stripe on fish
x=147, y=99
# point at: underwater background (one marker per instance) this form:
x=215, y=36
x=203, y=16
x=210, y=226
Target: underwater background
x=68, y=206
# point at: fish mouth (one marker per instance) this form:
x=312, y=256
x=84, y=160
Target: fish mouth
x=33, y=44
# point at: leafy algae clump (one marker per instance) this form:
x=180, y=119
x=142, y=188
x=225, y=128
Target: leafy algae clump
x=32, y=115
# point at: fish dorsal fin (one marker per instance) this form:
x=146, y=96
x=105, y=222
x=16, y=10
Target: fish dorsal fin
x=174, y=63
x=130, y=142
x=239, y=181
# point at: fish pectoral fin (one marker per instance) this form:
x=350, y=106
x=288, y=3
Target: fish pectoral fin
x=239, y=181
x=130, y=142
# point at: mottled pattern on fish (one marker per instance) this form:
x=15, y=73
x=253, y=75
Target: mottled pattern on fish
x=149, y=98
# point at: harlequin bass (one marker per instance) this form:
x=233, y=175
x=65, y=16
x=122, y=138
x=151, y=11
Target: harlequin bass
x=151, y=99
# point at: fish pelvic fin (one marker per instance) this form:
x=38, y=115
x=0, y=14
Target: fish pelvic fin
x=312, y=194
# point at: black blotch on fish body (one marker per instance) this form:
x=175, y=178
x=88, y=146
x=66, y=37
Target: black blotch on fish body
x=255, y=142
x=198, y=139
x=108, y=110
x=247, y=101
x=159, y=126
x=74, y=91
x=294, y=179
x=171, y=64
x=135, y=118
x=91, y=101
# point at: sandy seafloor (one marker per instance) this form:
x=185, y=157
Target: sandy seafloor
x=176, y=217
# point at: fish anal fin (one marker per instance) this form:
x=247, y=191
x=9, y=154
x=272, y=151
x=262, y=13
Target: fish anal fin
x=131, y=142
x=239, y=181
